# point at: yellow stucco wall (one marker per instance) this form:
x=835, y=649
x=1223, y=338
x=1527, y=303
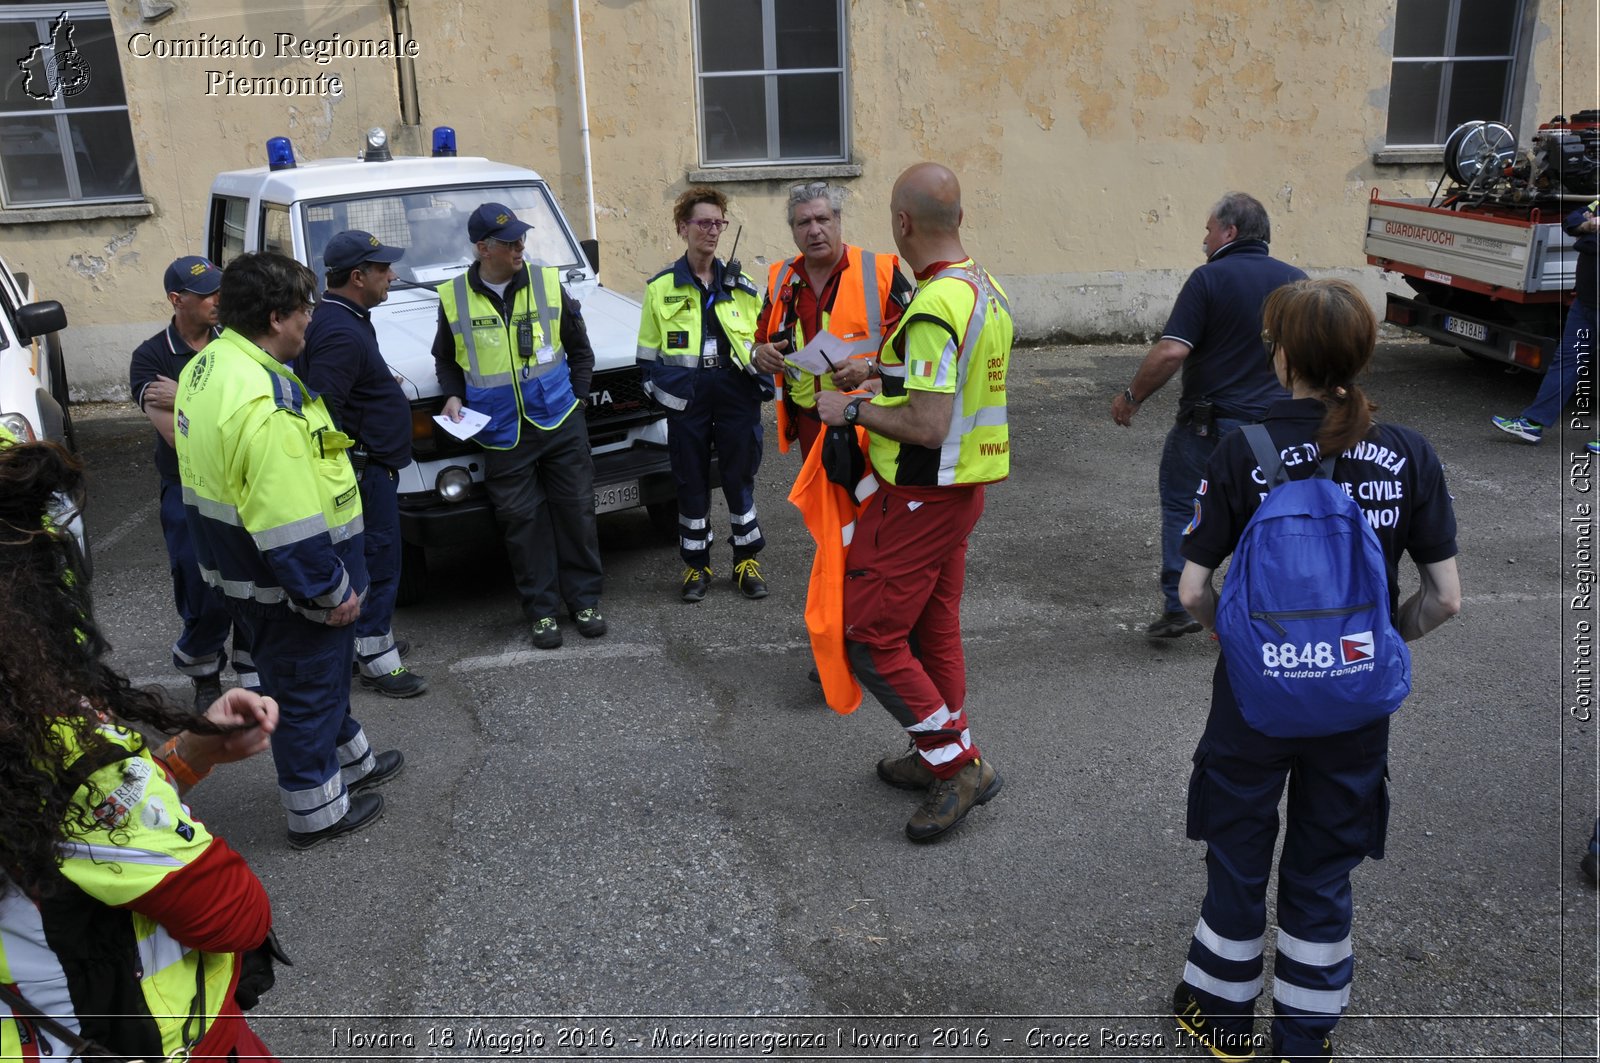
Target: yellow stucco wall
x=1090, y=138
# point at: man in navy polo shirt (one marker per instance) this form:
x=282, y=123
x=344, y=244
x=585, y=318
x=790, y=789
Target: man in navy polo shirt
x=342, y=363
x=201, y=649
x=1214, y=336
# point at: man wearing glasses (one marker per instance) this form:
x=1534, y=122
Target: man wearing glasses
x=511, y=344
x=1214, y=336
x=831, y=286
x=342, y=363
x=275, y=516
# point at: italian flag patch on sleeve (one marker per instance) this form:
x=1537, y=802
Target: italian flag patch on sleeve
x=922, y=369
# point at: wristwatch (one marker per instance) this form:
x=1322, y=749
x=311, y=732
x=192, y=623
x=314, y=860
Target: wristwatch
x=1127, y=393
x=852, y=410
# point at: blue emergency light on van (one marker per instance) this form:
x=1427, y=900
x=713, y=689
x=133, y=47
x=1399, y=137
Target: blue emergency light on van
x=280, y=154
x=444, y=142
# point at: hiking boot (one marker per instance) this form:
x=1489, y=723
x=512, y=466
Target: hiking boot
x=1593, y=446
x=365, y=810
x=907, y=771
x=401, y=647
x=1322, y=1054
x=1171, y=625
x=695, y=582
x=747, y=575
x=546, y=635
x=385, y=766
x=1231, y=1039
x=591, y=625
x=1524, y=429
x=949, y=800
x=207, y=689
x=400, y=683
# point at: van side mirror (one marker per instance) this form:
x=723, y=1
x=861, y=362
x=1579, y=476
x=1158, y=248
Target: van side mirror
x=591, y=251
x=41, y=319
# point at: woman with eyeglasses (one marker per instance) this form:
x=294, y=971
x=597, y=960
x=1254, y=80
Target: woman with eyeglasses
x=695, y=339
x=1319, y=336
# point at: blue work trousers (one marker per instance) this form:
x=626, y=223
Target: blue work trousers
x=200, y=651
x=1574, y=361
x=725, y=415
x=543, y=495
x=380, y=518
x=318, y=748
x=1183, y=466
x=1337, y=812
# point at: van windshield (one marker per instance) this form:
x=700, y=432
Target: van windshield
x=431, y=225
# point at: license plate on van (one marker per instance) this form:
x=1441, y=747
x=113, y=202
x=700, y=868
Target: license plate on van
x=1470, y=329
x=612, y=497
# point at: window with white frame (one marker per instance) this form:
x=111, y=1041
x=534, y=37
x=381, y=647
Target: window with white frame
x=1454, y=61
x=64, y=132
x=772, y=82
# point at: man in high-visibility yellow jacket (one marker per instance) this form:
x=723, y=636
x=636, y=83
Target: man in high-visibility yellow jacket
x=936, y=435
x=275, y=517
x=512, y=343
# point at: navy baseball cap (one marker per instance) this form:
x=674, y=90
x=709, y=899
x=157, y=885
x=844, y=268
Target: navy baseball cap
x=351, y=248
x=495, y=221
x=192, y=273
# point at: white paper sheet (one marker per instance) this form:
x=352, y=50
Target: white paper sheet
x=471, y=423
x=814, y=357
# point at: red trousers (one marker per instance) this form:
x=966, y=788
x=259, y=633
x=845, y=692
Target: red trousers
x=904, y=575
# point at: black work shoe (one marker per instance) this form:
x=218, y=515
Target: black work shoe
x=591, y=625
x=400, y=683
x=546, y=635
x=747, y=575
x=1591, y=868
x=401, y=646
x=695, y=582
x=907, y=771
x=949, y=800
x=385, y=766
x=1171, y=625
x=1231, y=1040
x=207, y=689
x=815, y=676
x=365, y=809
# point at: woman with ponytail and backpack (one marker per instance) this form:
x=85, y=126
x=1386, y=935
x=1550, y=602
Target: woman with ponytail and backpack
x=1319, y=336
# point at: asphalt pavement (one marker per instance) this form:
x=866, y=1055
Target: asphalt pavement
x=660, y=844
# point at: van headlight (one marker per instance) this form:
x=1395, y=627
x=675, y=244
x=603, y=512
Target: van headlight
x=19, y=427
x=453, y=483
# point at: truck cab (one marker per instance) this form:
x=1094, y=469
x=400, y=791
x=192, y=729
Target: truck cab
x=422, y=204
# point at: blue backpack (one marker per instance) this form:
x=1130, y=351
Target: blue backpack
x=1304, y=613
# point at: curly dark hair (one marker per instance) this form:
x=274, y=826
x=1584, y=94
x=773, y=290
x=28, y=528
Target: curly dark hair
x=52, y=677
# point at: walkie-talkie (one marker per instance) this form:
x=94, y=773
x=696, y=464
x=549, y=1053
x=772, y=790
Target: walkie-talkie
x=731, y=271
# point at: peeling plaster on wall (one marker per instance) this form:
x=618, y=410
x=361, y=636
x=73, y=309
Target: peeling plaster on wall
x=93, y=267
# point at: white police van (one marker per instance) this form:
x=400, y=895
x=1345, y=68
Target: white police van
x=33, y=375
x=422, y=205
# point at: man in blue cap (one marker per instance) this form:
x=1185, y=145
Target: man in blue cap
x=342, y=363
x=511, y=343
x=200, y=651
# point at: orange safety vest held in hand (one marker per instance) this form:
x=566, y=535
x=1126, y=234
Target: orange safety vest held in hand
x=830, y=515
x=856, y=317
